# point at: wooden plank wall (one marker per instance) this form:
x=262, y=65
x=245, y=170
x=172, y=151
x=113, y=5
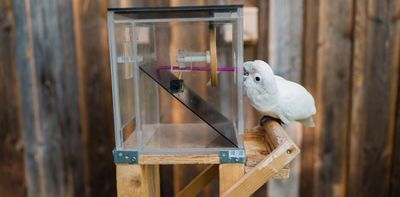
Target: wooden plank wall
x=374, y=92
x=12, y=181
x=334, y=57
x=395, y=174
x=56, y=125
x=91, y=40
x=48, y=87
x=64, y=85
x=354, y=64
x=285, y=57
x=309, y=144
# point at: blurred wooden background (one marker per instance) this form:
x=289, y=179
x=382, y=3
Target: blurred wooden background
x=56, y=124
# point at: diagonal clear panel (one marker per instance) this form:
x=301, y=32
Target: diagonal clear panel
x=191, y=100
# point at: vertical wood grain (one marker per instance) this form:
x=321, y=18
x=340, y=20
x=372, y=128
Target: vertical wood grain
x=129, y=180
x=151, y=180
x=285, y=38
x=375, y=80
x=395, y=173
x=334, y=55
x=49, y=101
x=309, y=80
x=229, y=174
x=137, y=180
x=95, y=100
x=68, y=142
x=285, y=58
x=12, y=172
x=263, y=27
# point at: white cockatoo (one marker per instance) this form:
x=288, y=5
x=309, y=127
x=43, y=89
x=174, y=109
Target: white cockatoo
x=275, y=96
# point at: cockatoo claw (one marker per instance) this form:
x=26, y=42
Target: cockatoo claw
x=264, y=119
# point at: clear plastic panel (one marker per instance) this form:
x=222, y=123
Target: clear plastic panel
x=217, y=103
x=165, y=68
x=126, y=82
x=179, y=130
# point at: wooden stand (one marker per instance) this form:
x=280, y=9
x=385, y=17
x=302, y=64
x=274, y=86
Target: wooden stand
x=268, y=150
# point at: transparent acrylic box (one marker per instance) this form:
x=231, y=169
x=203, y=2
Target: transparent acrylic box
x=177, y=79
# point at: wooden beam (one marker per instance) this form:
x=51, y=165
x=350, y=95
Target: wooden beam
x=263, y=28
x=285, y=58
x=129, y=180
x=229, y=174
x=138, y=180
x=48, y=90
x=12, y=172
x=166, y=159
x=257, y=148
x=395, y=174
x=95, y=101
x=309, y=145
x=198, y=183
x=374, y=91
x=285, y=38
x=262, y=172
x=334, y=64
x=285, y=152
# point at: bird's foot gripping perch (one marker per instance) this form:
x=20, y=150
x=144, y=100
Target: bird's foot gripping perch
x=264, y=119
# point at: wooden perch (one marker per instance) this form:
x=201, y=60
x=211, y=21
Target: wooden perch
x=283, y=152
x=258, y=146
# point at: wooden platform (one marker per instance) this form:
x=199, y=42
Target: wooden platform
x=268, y=149
x=258, y=147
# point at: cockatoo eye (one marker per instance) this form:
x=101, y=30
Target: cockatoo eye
x=257, y=78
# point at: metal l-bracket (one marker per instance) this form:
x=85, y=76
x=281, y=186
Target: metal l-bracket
x=126, y=156
x=232, y=156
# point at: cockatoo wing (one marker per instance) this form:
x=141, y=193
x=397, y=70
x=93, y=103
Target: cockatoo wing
x=296, y=103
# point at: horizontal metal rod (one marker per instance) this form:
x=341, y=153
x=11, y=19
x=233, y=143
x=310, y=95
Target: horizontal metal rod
x=196, y=68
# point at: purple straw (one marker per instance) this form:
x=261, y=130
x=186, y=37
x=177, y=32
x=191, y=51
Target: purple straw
x=197, y=68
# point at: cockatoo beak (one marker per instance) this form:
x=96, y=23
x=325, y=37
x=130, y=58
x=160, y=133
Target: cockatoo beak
x=245, y=75
x=246, y=69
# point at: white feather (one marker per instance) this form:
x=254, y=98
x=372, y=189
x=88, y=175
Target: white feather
x=277, y=97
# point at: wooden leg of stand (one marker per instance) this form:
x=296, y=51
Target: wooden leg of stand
x=138, y=180
x=229, y=174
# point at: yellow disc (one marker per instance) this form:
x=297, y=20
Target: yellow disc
x=213, y=56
